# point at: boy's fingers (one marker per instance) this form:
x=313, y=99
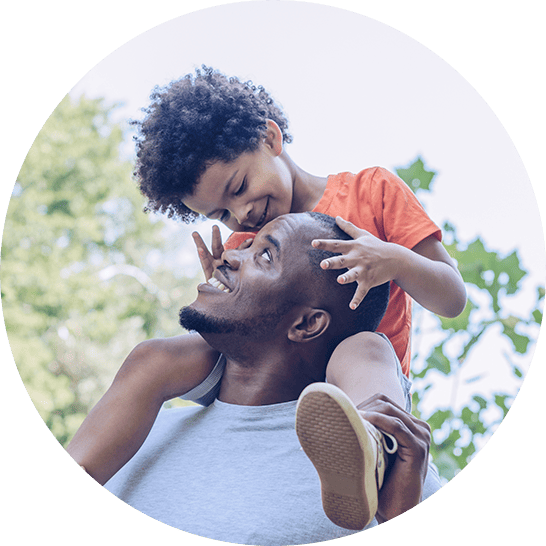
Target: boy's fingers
x=359, y=296
x=349, y=228
x=335, y=262
x=333, y=245
x=352, y=275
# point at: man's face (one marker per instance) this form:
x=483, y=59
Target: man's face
x=258, y=286
x=246, y=193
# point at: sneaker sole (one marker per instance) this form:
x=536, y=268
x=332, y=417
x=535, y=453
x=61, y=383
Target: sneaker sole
x=332, y=435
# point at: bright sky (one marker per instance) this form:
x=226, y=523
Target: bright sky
x=367, y=95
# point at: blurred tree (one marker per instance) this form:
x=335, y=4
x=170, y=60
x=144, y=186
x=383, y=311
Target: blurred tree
x=460, y=429
x=77, y=291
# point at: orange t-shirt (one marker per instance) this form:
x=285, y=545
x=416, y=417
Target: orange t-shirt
x=381, y=203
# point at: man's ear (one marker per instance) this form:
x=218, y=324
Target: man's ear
x=273, y=137
x=309, y=325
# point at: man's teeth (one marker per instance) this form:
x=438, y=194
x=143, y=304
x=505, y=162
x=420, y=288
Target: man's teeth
x=217, y=284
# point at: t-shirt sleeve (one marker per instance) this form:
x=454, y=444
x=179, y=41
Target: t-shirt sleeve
x=237, y=238
x=403, y=218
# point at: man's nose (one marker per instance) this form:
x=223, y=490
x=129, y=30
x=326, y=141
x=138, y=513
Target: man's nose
x=232, y=258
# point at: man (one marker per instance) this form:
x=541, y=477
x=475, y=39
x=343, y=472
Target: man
x=235, y=471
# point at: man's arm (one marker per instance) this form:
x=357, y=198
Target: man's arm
x=155, y=371
x=404, y=484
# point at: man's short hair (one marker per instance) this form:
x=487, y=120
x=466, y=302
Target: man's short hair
x=190, y=124
x=367, y=316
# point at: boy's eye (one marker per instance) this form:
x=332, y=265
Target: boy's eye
x=242, y=188
x=225, y=216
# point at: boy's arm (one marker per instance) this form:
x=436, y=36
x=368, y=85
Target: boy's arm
x=426, y=272
x=429, y=275
x=155, y=371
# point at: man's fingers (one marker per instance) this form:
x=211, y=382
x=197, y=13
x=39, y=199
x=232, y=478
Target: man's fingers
x=205, y=257
x=198, y=240
x=217, y=246
x=380, y=407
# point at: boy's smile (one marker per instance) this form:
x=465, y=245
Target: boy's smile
x=246, y=193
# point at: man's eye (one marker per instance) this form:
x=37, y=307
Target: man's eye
x=266, y=255
x=242, y=188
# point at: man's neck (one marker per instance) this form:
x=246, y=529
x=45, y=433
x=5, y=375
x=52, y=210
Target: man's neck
x=270, y=381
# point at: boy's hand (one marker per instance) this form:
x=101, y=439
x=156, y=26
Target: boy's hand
x=209, y=261
x=370, y=261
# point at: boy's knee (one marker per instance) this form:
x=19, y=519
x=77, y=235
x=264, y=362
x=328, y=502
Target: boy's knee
x=361, y=350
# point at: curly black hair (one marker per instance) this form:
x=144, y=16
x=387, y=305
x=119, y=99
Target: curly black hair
x=191, y=123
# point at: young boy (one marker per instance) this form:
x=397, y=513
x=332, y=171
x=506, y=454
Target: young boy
x=214, y=146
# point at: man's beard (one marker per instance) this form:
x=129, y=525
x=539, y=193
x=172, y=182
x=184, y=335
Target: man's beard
x=191, y=319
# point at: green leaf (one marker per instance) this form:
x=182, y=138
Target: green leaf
x=501, y=401
x=439, y=417
x=517, y=372
x=519, y=341
x=439, y=361
x=488, y=270
x=416, y=176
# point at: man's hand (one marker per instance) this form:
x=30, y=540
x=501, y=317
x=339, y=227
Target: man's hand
x=370, y=261
x=403, y=486
x=211, y=260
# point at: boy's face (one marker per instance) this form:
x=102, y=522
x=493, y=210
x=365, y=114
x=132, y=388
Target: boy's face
x=246, y=193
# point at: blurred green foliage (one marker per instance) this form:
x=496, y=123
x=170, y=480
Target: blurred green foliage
x=86, y=276
x=77, y=291
x=491, y=279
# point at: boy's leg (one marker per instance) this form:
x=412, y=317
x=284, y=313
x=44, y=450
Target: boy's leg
x=154, y=372
x=350, y=455
x=363, y=365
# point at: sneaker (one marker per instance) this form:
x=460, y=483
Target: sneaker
x=347, y=451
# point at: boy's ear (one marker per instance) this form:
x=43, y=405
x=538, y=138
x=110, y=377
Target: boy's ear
x=273, y=137
x=309, y=325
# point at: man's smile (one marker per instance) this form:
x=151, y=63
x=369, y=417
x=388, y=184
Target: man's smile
x=220, y=281
x=217, y=284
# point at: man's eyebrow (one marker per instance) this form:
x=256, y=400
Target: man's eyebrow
x=274, y=242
